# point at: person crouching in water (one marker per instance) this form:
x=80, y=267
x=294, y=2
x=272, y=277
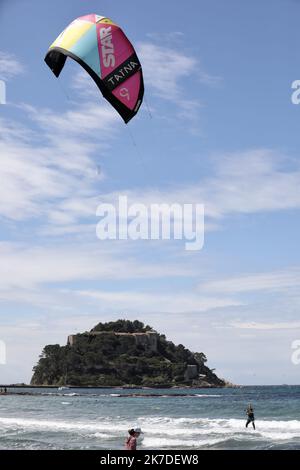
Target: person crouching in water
x=250, y=414
x=131, y=441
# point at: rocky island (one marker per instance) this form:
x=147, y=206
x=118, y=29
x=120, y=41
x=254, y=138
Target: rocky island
x=122, y=353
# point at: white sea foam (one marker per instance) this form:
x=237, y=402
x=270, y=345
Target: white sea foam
x=203, y=395
x=31, y=424
x=167, y=443
x=101, y=435
x=164, y=432
x=221, y=429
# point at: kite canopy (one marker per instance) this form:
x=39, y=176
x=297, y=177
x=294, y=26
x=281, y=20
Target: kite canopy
x=103, y=50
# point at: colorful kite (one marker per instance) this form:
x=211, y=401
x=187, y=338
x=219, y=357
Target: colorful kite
x=103, y=50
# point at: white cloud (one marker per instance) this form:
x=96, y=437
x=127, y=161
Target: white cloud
x=39, y=168
x=24, y=267
x=247, y=182
x=158, y=302
x=84, y=84
x=36, y=173
x=78, y=124
x=9, y=66
x=253, y=181
x=258, y=180
x=43, y=276
x=266, y=326
x=164, y=68
x=168, y=73
x=276, y=281
x=41, y=178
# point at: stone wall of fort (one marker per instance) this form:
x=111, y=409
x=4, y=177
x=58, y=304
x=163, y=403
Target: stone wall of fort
x=148, y=340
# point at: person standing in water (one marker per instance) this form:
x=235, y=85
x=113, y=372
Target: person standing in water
x=250, y=414
x=131, y=441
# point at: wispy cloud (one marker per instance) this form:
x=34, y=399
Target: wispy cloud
x=228, y=191
x=158, y=302
x=164, y=68
x=253, y=181
x=167, y=72
x=9, y=66
x=266, y=326
x=42, y=176
x=36, y=172
x=29, y=267
x=277, y=281
x=259, y=180
x=181, y=62
x=84, y=84
x=78, y=123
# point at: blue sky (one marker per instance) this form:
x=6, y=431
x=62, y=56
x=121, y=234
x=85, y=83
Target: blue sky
x=218, y=128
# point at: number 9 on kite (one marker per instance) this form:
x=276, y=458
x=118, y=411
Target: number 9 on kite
x=102, y=49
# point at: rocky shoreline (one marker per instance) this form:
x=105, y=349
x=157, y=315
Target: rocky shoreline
x=123, y=387
x=111, y=395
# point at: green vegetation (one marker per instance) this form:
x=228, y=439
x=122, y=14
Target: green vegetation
x=107, y=359
x=123, y=326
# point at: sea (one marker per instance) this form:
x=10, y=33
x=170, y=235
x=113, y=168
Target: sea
x=170, y=419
